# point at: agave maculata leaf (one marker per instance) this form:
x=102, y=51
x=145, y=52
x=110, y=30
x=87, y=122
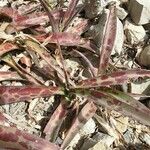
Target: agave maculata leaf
x=12, y=94
x=66, y=39
x=89, y=64
x=86, y=113
x=116, y=102
x=69, y=14
x=36, y=47
x=124, y=97
x=36, y=19
x=108, y=40
x=115, y=78
x=21, y=71
x=52, y=128
x=52, y=20
x=7, y=47
x=25, y=21
x=12, y=138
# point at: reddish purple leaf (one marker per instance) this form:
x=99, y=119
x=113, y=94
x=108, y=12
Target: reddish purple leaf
x=21, y=71
x=108, y=40
x=86, y=113
x=66, y=39
x=89, y=64
x=7, y=47
x=52, y=128
x=34, y=46
x=12, y=138
x=70, y=12
x=21, y=22
x=53, y=22
x=115, y=78
x=12, y=94
x=122, y=105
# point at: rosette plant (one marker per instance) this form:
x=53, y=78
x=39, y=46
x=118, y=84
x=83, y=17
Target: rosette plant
x=97, y=90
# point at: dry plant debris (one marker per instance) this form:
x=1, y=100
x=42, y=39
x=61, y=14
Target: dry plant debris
x=56, y=81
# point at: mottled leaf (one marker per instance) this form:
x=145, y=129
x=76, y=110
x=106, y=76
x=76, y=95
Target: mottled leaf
x=115, y=102
x=12, y=138
x=70, y=13
x=12, y=94
x=115, y=78
x=21, y=71
x=36, y=47
x=52, y=128
x=52, y=20
x=25, y=21
x=108, y=40
x=86, y=113
x=66, y=39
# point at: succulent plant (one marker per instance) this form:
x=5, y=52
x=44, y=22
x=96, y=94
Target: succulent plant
x=97, y=90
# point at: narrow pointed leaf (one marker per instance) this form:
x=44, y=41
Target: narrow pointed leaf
x=36, y=47
x=12, y=94
x=36, y=19
x=108, y=40
x=66, y=39
x=86, y=113
x=70, y=12
x=12, y=138
x=21, y=71
x=52, y=128
x=140, y=113
x=89, y=64
x=116, y=78
x=125, y=98
x=25, y=21
x=53, y=22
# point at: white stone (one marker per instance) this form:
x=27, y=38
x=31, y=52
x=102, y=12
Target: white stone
x=140, y=88
x=3, y=3
x=119, y=38
x=88, y=128
x=121, y=124
x=100, y=146
x=134, y=33
x=140, y=11
x=144, y=57
x=104, y=138
x=121, y=13
x=145, y=138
